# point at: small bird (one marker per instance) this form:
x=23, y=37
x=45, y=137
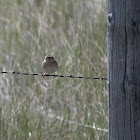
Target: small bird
x=49, y=65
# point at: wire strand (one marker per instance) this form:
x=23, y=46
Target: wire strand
x=50, y=115
x=62, y=76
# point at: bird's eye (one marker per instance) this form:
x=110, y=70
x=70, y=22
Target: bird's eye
x=50, y=58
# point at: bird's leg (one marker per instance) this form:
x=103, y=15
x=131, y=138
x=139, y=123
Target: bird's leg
x=54, y=75
x=44, y=74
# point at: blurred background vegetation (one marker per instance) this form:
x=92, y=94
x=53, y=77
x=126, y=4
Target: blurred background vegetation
x=37, y=108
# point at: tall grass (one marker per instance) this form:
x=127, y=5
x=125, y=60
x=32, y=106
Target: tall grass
x=38, y=108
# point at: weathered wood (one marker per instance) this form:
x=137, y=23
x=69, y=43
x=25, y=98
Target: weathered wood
x=124, y=69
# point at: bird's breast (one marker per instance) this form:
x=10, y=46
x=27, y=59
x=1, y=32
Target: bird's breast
x=50, y=67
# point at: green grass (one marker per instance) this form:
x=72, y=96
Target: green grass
x=37, y=108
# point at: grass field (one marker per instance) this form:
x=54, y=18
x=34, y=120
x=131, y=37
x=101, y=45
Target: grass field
x=37, y=108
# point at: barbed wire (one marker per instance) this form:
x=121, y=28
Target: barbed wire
x=53, y=75
x=76, y=123
x=53, y=116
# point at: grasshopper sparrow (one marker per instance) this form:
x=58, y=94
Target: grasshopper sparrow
x=49, y=65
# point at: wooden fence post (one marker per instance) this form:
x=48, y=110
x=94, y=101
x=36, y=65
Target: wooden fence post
x=124, y=69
